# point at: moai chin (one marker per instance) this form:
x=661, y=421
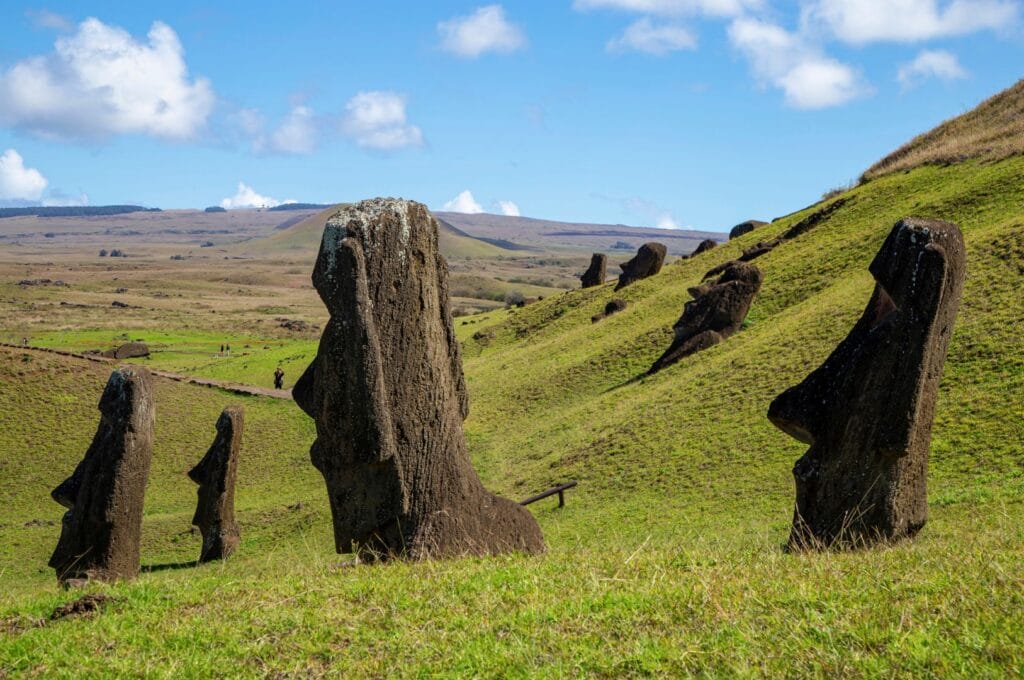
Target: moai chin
x=867, y=411
x=215, y=474
x=100, y=532
x=387, y=393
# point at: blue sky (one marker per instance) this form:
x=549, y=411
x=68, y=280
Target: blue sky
x=687, y=113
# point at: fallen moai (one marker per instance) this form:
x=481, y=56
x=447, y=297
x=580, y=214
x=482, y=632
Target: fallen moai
x=703, y=247
x=867, y=411
x=745, y=228
x=647, y=262
x=215, y=474
x=99, y=536
x=388, y=395
x=716, y=311
x=613, y=307
x=596, y=272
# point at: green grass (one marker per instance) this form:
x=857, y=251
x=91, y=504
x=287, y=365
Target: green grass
x=668, y=557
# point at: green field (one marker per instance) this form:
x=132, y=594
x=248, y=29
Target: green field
x=668, y=558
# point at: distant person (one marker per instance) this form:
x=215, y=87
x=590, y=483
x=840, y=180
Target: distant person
x=24, y=342
x=227, y=349
x=222, y=349
x=278, y=379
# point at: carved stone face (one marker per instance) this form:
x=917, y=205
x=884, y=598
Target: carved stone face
x=104, y=496
x=215, y=474
x=867, y=411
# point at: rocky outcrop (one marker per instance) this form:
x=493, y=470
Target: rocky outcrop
x=613, y=307
x=716, y=311
x=99, y=536
x=215, y=474
x=132, y=350
x=387, y=393
x=703, y=247
x=596, y=272
x=647, y=262
x=745, y=228
x=867, y=411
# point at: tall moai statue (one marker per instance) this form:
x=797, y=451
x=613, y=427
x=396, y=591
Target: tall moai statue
x=596, y=272
x=387, y=393
x=100, y=532
x=215, y=474
x=647, y=262
x=867, y=411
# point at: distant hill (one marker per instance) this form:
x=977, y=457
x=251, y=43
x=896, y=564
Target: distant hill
x=73, y=211
x=992, y=131
x=299, y=206
x=574, y=236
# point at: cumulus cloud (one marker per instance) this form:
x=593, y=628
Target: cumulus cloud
x=721, y=8
x=485, y=30
x=246, y=197
x=377, y=120
x=463, y=203
x=297, y=133
x=18, y=182
x=865, y=21
x=931, y=64
x=809, y=79
x=508, y=208
x=101, y=81
x=667, y=221
x=657, y=39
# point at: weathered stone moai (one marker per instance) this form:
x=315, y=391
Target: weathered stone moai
x=388, y=395
x=716, y=311
x=647, y=262
x=867, y=411
x=745, y=228
x=613, y=307
x=99, y=536
x=703, y=247
x=595, y=274
x=215, y=474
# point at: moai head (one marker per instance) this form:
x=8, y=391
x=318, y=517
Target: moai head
x=104, y=496
x=215, y=474
x=867, y=411
x=387, y=393
x=647, y=262
x=596, y=272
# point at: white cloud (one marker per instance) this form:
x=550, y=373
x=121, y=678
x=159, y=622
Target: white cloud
x=931, y=64
x=809, y=79
x=297, y=133
x=246, y=197
x=722, y=8
x=101, y=81
x=377, y=120
x=463, y=203
x=864, y=21
x=18, y=182
x=667, y=221
x=485, y=30
x=507, y=208
x=644, y=36
x=44, y=18
x=59, y=198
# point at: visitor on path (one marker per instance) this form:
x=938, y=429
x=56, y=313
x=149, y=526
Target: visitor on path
x=278, y=379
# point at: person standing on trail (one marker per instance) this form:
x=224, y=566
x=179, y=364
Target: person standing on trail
x=278, y=379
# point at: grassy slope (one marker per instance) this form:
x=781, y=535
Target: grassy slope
x=667, y=558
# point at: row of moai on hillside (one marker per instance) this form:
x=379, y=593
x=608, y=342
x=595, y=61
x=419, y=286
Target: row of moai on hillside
x=387, y=393
x=101, y=530
x=867, y=411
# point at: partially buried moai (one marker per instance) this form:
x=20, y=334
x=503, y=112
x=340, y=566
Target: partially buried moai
x=647, y=262
x=867, y=411
x=100, y=532
x=387, y=393
x=595, y=274
x=215, y=474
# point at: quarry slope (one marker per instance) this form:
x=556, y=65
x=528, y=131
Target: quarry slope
x=667, y=558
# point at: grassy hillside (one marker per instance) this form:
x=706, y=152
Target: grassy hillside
x=992, y=131
x=668, y=557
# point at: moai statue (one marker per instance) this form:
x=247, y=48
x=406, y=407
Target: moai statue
x=595, y=274
x=867, y=411
x=99, y=536
x=387, y=393
x=716, y=311
x=647, y=262
x=704, y=246
x=215, y=474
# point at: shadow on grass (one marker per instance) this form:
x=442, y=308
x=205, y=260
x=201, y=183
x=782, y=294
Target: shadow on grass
x=152, y=568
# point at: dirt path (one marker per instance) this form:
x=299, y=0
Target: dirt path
x=234, y=388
